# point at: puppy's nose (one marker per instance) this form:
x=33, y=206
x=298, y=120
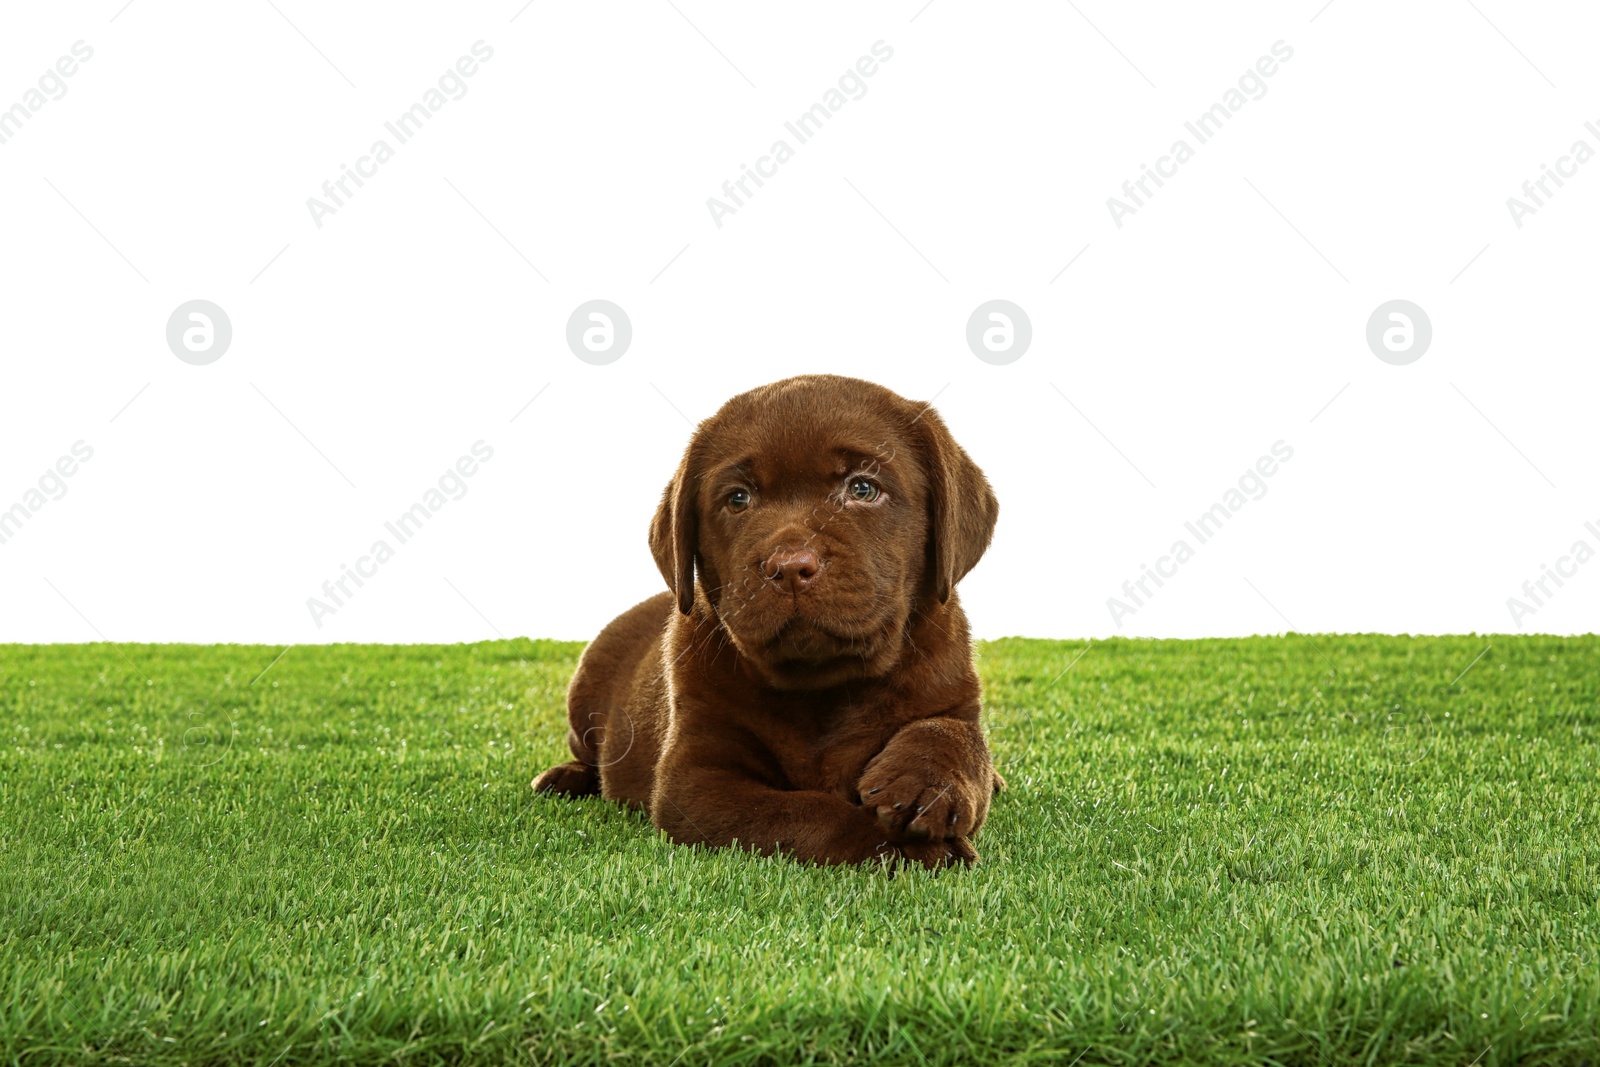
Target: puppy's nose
x=792, y=568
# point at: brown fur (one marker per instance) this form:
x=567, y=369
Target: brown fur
x=813, y=692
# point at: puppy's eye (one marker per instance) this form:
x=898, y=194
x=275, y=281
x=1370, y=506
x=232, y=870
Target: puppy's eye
x=738, y=500
x=862, y=490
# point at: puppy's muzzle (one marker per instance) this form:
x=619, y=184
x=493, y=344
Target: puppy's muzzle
x=791, y=569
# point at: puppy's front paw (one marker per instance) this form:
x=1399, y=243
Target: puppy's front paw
x=922, y=802
x=945, y=852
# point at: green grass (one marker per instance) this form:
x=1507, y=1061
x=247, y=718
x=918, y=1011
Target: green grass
x=1212, y=851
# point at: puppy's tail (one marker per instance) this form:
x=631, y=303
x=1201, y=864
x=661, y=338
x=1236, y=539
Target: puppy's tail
x=573, y=779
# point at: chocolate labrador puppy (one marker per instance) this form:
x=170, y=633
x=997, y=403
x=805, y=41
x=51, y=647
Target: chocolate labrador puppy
x=807, y=685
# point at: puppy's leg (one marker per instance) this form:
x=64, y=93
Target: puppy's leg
x=609, y=724
x=580, y=777
x=932, y=780
x=569, y=780
x=720, y=808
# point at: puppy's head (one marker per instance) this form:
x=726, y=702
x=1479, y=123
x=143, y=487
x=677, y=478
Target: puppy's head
x=820, y=512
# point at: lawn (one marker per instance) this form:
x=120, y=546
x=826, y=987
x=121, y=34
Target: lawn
x=1335, y=850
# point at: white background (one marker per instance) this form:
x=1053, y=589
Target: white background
x=1224, y=316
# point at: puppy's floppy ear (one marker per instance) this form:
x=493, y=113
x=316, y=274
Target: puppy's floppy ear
x=673, y=533
x=962, y=508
